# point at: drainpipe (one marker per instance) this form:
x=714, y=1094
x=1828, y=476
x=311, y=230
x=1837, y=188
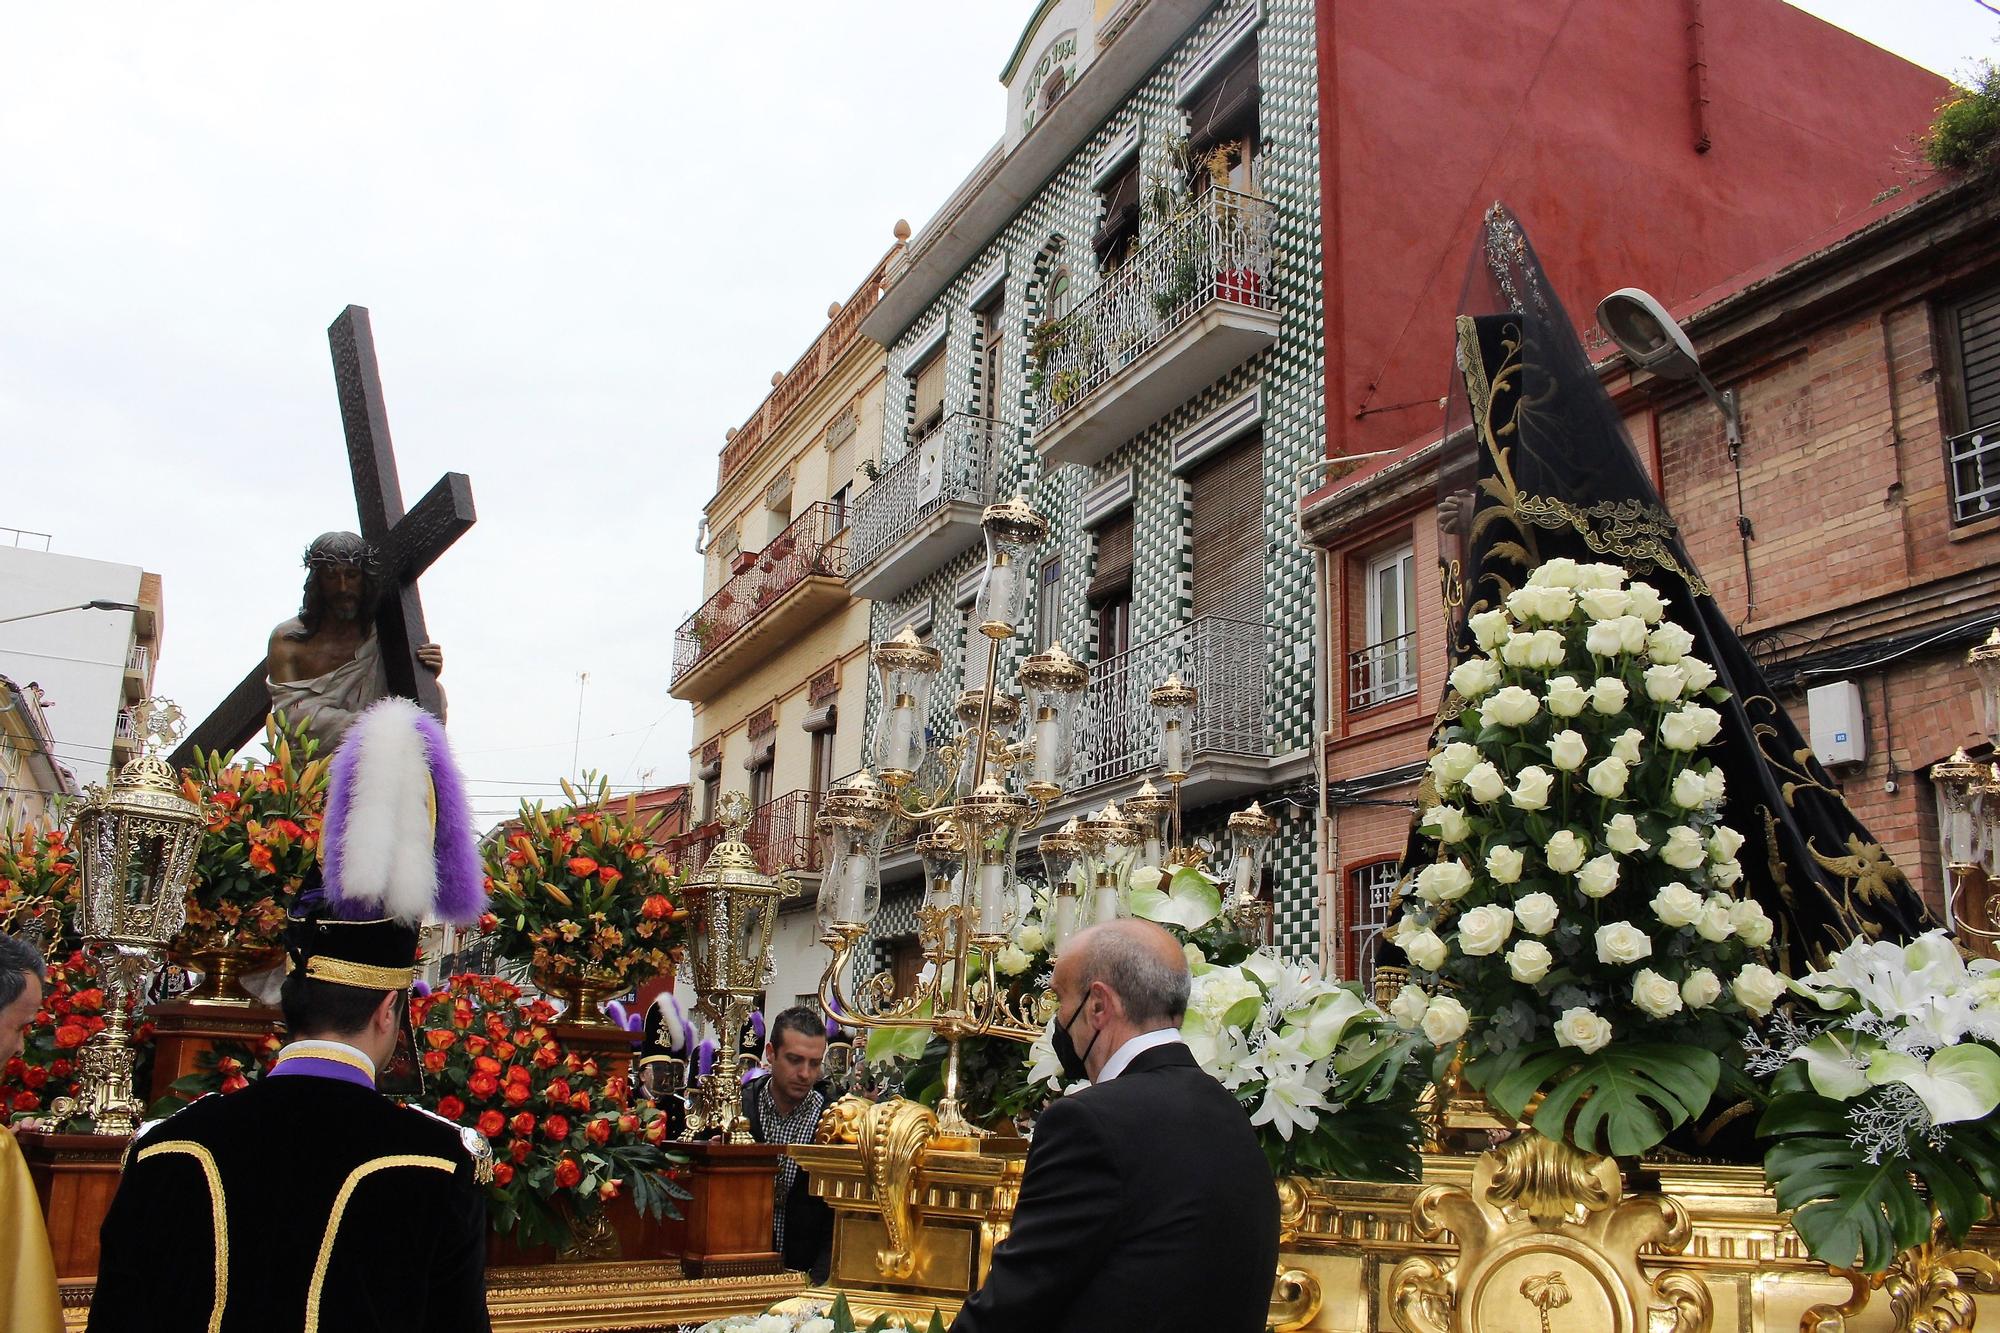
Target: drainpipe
x=1697, y=40
x=1326, y=843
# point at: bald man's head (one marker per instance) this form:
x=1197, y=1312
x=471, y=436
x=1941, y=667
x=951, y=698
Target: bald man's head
x=1139, y=961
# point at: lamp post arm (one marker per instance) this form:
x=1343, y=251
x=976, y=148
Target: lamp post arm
x=1725, y=403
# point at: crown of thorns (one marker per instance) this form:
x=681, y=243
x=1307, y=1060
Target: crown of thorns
x=342, y=550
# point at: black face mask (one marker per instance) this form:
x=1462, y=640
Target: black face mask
x=1067, y=1055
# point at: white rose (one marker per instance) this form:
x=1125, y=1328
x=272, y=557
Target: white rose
x=1646, y=602
x=1408, y=1007
x=1447, y=823
x=1489, y=628
x=1445, y=1021
x=1621, y=835
x=1631, y=635
x=1511, y=707
x=1443, y=881
x=1546, y=604
x=1665, y=683
x=1519, y=650
x=1561, y=572
x=1546, y=649
x=1655, y=994
x=1598, y=877
x=1582, y=1029
x=1718, y=786
x=1690, y=789
x=1450, y=765
x=1567, y=750
x=1483, y=930
x=1725, y=873
x=1715, y=924
x=1529, y=961
x=1012, y=962
x=1669, y=643
x=1609, y=776
x=1752, y=925
x=1701, y=989
x=1599, y=575
x=1531, y=788
x=1603, y=638
x=1604, y=603
x=1626, y=744
x=1031, y=938
x=1566, y=697
x=1699, y=673
x=1608, y=696
x=1677, y=905
x=1425, y=950
x=1537, y=913
x=1565, y=852
x=1475, y=676
x=1683, y=849
x=1503, y=865
x=1757, y=988
x=1677, y=731
x=1707, y=722
x=1407, y=927
x=1484, y=783
x=1622, y=942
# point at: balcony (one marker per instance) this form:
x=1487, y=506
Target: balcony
x=1227, y=661
x=124, y=738
x=1381, y=672
x=1194, y=303
x=138, y=666
x=1974, y=457
x=793, y=582
x=924, y=508
x=780, y=836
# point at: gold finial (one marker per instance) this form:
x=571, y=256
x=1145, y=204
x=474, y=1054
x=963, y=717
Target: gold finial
x=1253, y=822
x=1172, y=693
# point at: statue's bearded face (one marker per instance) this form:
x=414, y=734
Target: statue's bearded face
x=343, y=587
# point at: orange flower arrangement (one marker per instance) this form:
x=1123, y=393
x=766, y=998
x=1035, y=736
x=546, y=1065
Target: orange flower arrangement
x=72, y=1012
x=565, y=1140
x=584, y=886
x=262, y=839
x=37, y=883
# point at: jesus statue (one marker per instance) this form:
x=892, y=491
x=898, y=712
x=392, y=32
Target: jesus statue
x=324, y=665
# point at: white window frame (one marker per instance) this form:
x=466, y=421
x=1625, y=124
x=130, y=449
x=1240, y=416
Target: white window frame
x=1386, y=666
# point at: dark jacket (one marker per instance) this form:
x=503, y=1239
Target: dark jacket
x=294, y=1197
x=808, y=1221
x=1147, y=1204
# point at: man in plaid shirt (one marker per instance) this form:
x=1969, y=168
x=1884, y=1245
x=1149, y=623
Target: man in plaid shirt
x=785, y=1107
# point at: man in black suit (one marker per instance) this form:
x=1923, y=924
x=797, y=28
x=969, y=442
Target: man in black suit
x=1147, y=1203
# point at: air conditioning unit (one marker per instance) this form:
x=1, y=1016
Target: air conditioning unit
x=1838, y=730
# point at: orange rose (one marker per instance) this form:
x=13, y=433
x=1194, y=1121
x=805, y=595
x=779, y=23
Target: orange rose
x=491, y=1123
x=523, y=1124
x=609, y=875
x=451, y=1108
x=656, y=906
x=598, y=1132
x=568, y=1173
x=441, y=1039
x=608, y=1190
x=582, y=867
x=503, y=1173
x=556, y=1127
x=481, y=1086
x=435, y=1061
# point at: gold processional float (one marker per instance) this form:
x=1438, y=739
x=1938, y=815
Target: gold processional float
x=1505, y=1231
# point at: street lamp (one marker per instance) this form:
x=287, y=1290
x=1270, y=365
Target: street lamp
x=94, y=604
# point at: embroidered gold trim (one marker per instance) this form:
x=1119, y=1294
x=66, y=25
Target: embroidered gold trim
x=337, y=1057
x=1640, y=533
x=218, y=1210
x=365, y=975
x=354, y=1178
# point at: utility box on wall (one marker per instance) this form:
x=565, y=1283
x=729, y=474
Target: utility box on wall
x=1838, y=731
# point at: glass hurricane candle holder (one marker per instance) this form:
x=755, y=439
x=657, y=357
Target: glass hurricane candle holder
x=1173, y=704
x=1151, y=809
x=1054, y=683
x=988, y=823
x=1013, y=531
x=1002, y=716
x=1111, y=846
x=854, y=820
x=1985, y=663
x=907, y=670
x=1061, y=851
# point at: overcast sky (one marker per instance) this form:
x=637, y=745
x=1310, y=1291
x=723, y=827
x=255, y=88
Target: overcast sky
x=587, y=235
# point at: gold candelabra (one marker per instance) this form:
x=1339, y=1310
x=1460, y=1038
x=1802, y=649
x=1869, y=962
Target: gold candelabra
x=1968, y=792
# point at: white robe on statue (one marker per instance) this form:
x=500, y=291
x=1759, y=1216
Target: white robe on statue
x=328, y=704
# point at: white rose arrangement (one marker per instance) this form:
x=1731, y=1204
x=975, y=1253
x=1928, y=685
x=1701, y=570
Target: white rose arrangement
x=1581, y=924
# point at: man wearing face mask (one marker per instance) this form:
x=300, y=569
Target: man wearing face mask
x=1147, y=1203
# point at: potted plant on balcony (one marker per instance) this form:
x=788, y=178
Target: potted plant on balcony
x=742, y=561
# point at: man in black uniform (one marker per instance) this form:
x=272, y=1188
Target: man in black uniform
x=309, y=1200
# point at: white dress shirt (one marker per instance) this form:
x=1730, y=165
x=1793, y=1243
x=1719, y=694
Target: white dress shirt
x=1133, y=1048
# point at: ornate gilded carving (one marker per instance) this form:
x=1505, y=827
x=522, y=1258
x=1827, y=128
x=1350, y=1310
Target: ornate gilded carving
x=1296, y=1297
x=1832, y=1318
x=841, y=1122
x=1545, y=1227
x=892, y=1139
x=1927, y=1292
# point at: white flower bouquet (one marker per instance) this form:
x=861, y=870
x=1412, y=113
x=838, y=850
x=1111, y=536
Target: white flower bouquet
x=812, y=1318
x=1580, y=929
x=1884, y=1083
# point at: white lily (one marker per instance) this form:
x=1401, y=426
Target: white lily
x=1293, y=1100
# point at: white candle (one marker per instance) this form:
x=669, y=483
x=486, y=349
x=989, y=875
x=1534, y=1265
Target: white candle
x=902, y=726
x=1149, y=850
x=992, y=897
x=1106, y=907
x=1000, y=594
x=1173, y=749
x=1047, y=735
x=1244, y=891
x=853, y=887
x=1063, y=923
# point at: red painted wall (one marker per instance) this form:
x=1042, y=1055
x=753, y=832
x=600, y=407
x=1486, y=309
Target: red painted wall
x=1579, y=115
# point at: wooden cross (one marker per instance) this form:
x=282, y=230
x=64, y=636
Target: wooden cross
x=406, y=543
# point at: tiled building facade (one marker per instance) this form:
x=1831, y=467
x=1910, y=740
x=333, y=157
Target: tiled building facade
x=1211, y=400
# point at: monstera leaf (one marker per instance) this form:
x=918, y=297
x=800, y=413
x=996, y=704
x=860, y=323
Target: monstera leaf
x=1621, y=1100
x=1849, y=1213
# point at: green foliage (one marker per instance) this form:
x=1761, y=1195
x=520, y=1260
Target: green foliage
x=1375, y=1136
x=1963, y=136
x=1621, y=1100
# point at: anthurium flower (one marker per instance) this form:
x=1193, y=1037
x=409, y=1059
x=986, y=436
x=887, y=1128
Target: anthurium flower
x=1957, y=1083
x=1837, y=1063
x=1189, y=900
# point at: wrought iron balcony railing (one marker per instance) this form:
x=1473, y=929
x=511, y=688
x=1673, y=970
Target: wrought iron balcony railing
x=780, y=836
x=1227, y=661
x=959, y=462
x=1382, y=671
x=1975, y=472
x=139, y=658
x=813, y=545
x=1219, y=250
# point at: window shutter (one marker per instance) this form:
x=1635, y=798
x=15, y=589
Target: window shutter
x=1121, y=213
x=840, y=465
x=1114, y=559
x=1979, y=359
x=930, y=391
x=1227, y=547
x=1226, y=108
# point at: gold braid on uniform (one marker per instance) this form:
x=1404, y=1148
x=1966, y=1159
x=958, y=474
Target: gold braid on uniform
x=218, y=1212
